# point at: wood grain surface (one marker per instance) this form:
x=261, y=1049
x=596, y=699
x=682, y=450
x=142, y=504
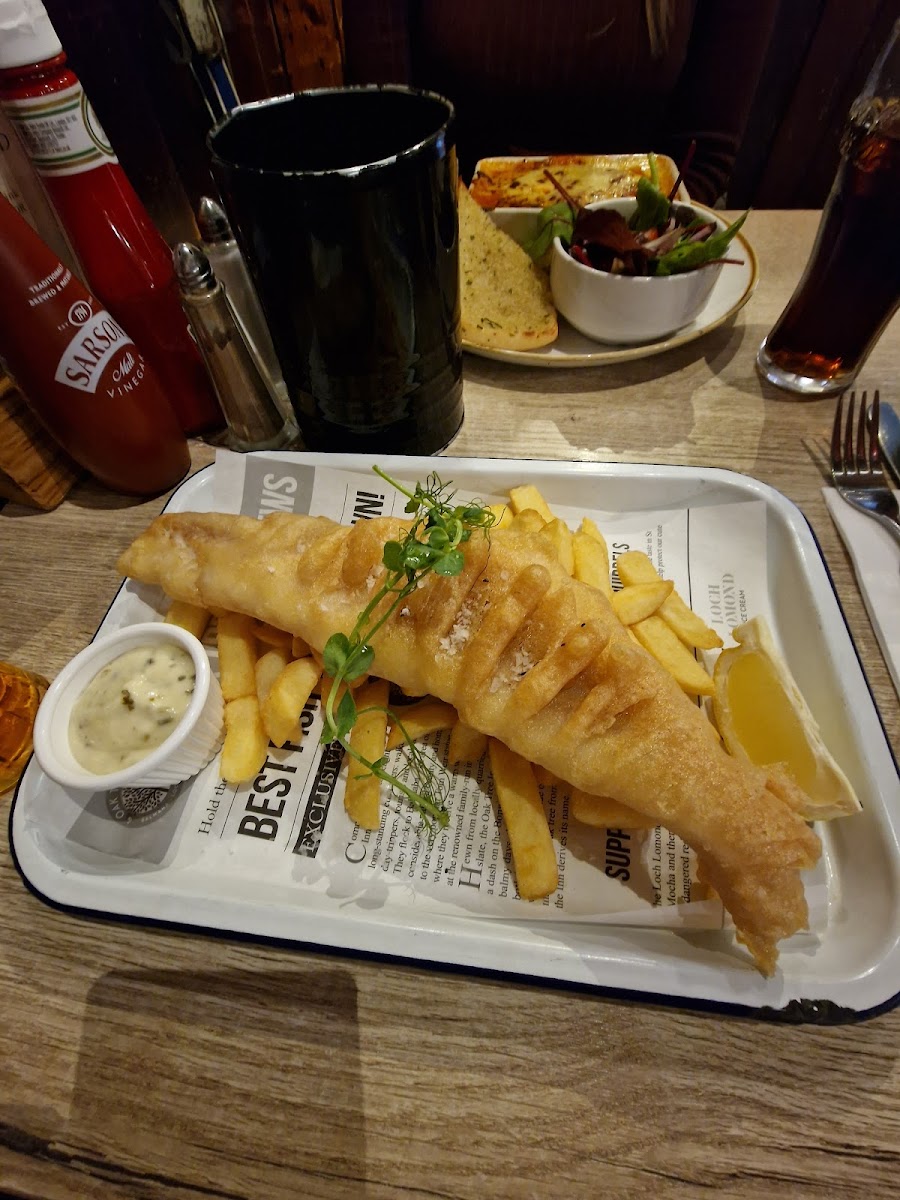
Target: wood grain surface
x=138, y=1062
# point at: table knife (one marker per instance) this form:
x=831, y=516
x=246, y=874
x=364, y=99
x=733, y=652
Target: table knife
x=889, y=438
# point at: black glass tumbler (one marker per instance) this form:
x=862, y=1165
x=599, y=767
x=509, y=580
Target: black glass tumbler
x=343, y=201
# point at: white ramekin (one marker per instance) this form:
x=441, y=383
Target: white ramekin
x=192, y=744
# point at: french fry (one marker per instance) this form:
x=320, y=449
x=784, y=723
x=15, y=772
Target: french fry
x=188, y=616
x=527, y=496
x=591, y=560
x=545, y=778
x=420, y=719
x=268, y=667
x=637, y=601
x=503, y=515
x=286, y=698
x=270, y=636
x=529, y=520
x=635, y=567
x=352, y=685
x=245, y=747
x=594, y=564
x=325, y=684
x=668, y=649
x=591, y=529
x=603, y=812
x=558, y=532
x=367, y=737
x=299, y=647
x=520, y=802
x=237, y=656
x=467, y=745
x=600, y=811
x=692, y=629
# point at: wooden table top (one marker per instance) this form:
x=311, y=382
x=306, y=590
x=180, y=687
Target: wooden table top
x=138, y=1062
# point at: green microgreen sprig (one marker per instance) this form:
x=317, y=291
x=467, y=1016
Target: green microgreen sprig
x=432, y=543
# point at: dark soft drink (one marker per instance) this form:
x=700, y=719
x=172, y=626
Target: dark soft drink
x=851, y=286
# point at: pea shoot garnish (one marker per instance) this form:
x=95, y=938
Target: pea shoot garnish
x=431, y=544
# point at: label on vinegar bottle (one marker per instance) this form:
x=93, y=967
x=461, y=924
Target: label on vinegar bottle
x=9, y=185
x=96, y=340
x=23, y=189
x=61, y=132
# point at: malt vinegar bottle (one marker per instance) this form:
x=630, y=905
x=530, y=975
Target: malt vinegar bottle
x=79, y=370
x=126, y=262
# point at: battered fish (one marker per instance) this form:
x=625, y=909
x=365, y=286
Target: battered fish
x=529, y=656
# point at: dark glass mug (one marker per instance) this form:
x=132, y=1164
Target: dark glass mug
x=343, y=201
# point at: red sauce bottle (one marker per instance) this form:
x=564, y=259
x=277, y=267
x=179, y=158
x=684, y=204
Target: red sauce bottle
x=125, y=259
x=80, y=371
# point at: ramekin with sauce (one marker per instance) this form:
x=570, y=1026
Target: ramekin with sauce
x=140, y=707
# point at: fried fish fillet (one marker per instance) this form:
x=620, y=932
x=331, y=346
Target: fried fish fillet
x=529, y=656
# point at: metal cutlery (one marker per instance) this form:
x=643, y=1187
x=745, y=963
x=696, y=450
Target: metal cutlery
x=889, y=438
x=856, y=469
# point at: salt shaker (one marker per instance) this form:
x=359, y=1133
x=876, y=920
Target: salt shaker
x=221, y=248
x=247, y=396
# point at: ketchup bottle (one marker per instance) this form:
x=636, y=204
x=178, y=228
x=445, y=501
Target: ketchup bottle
x=125, y=259
x=80, y=371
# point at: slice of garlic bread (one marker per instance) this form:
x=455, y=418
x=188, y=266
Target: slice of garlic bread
x=505, y=297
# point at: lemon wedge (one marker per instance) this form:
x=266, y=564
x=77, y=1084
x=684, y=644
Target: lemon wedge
x=762, y=716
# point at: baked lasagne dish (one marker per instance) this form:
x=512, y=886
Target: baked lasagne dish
x=523, y=183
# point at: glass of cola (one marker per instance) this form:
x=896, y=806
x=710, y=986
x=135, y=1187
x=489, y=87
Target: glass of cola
x=851, y=286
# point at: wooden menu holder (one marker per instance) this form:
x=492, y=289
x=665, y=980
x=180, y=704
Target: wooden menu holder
x=34, y=469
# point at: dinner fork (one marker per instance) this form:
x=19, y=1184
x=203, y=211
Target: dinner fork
x=856, y=469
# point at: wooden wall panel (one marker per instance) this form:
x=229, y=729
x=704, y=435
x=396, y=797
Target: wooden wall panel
x=311, y=41
x=254, y=49
x=279, y=46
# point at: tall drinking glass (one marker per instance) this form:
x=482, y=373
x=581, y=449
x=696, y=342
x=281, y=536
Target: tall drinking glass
x=343, y=201
x=851, y=286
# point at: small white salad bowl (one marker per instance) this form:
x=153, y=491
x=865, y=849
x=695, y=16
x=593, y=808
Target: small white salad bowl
x=629, y=309
x=189, y=747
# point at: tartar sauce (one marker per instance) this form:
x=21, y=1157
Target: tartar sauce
x=130, y=707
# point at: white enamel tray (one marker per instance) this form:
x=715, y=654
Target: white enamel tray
x=852, y=970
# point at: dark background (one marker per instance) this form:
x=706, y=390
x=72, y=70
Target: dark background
x=145, y=81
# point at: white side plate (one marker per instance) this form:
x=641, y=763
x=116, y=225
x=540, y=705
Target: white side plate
x=733, y=289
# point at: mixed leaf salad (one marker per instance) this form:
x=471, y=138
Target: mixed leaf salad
x=660, y=238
